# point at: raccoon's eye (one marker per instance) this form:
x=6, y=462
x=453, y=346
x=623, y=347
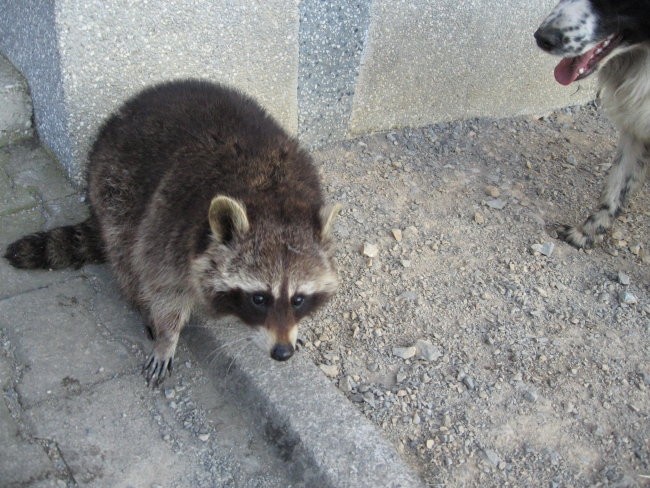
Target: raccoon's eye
x=259, y=299
x=297, y=301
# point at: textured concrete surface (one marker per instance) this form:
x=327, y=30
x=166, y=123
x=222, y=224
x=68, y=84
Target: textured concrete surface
x=15, y=106
x=332, y=36
x=427, y=62
x=91, y=55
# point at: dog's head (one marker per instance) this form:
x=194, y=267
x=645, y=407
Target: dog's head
x=586, y=33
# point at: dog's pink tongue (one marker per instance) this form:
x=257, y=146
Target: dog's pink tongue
x=568, y=70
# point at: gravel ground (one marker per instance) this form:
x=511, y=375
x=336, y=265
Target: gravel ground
x=489, y=352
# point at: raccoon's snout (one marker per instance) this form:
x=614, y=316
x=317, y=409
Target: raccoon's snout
x=282, y=352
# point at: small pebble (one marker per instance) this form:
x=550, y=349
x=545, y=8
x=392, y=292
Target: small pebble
x=492, y=191
x=397, y=234
x=169, y=393
x=546, y=249
x=628, y=298
x=491, y=456
x=410, y=232
x=478, y=218
x=404, y=352
x=370, y=250
x=427, y=351
x=346, y=384
x=204, y=437
x=497, y=204
x=623, y=278
x=531, y=396
x=330, y=370
x=468, y=381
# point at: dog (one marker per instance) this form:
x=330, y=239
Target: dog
x=612, y=37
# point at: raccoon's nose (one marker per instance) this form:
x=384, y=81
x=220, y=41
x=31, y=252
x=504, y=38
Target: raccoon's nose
x=282, y=352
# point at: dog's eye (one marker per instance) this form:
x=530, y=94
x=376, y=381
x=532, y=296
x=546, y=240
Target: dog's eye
x=260, y=300
x=297, y=301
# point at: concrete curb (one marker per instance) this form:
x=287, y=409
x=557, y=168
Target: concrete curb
x=317, y=431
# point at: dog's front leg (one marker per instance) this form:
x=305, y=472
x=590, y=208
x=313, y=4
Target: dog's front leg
x=624, y=178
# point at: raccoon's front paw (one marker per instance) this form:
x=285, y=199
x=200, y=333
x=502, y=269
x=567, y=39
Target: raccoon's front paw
x=156, y=367
x=576, y=236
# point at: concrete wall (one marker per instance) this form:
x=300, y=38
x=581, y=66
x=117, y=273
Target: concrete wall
x=430, y=61
x=82, y=58
x=327, y=70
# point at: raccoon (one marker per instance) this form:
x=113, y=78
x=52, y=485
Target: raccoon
x=199, y=200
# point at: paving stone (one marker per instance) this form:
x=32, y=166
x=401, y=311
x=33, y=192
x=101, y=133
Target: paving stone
x=65, y=211
x=31, y=168
x=21, y=461
x=6, y=371
x=112, y=310
x=108, y=438
x=59, y=341
x=14, y=199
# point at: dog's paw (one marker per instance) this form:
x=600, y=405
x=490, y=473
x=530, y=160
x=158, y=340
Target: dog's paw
x=156, y=367
x=576, y=236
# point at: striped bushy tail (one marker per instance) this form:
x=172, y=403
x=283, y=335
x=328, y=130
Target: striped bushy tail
x=62, y=247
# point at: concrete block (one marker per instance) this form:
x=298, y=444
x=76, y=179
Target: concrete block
x=428, y=62
x=14, y=199
x=16, y=106
x=64, y=211
x=108, y=438
x=93, y=54
x=59, y=341
x=22, y=462
x=6, y=369
x=113, y=311
x=31, y=168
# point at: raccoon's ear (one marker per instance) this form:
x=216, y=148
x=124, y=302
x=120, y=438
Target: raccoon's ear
x=227, y=217
x=327, y=216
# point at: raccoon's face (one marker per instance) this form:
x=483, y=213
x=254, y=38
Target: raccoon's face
x=270, y=276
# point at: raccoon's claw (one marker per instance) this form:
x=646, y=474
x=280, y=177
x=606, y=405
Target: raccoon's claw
x=155, y=369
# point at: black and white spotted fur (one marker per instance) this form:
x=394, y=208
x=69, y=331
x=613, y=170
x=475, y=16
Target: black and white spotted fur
x=613, y=35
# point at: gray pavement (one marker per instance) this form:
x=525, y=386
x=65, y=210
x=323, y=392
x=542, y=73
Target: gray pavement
x=75, y=410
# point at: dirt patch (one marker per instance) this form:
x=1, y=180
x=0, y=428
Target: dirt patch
x=534, y=369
